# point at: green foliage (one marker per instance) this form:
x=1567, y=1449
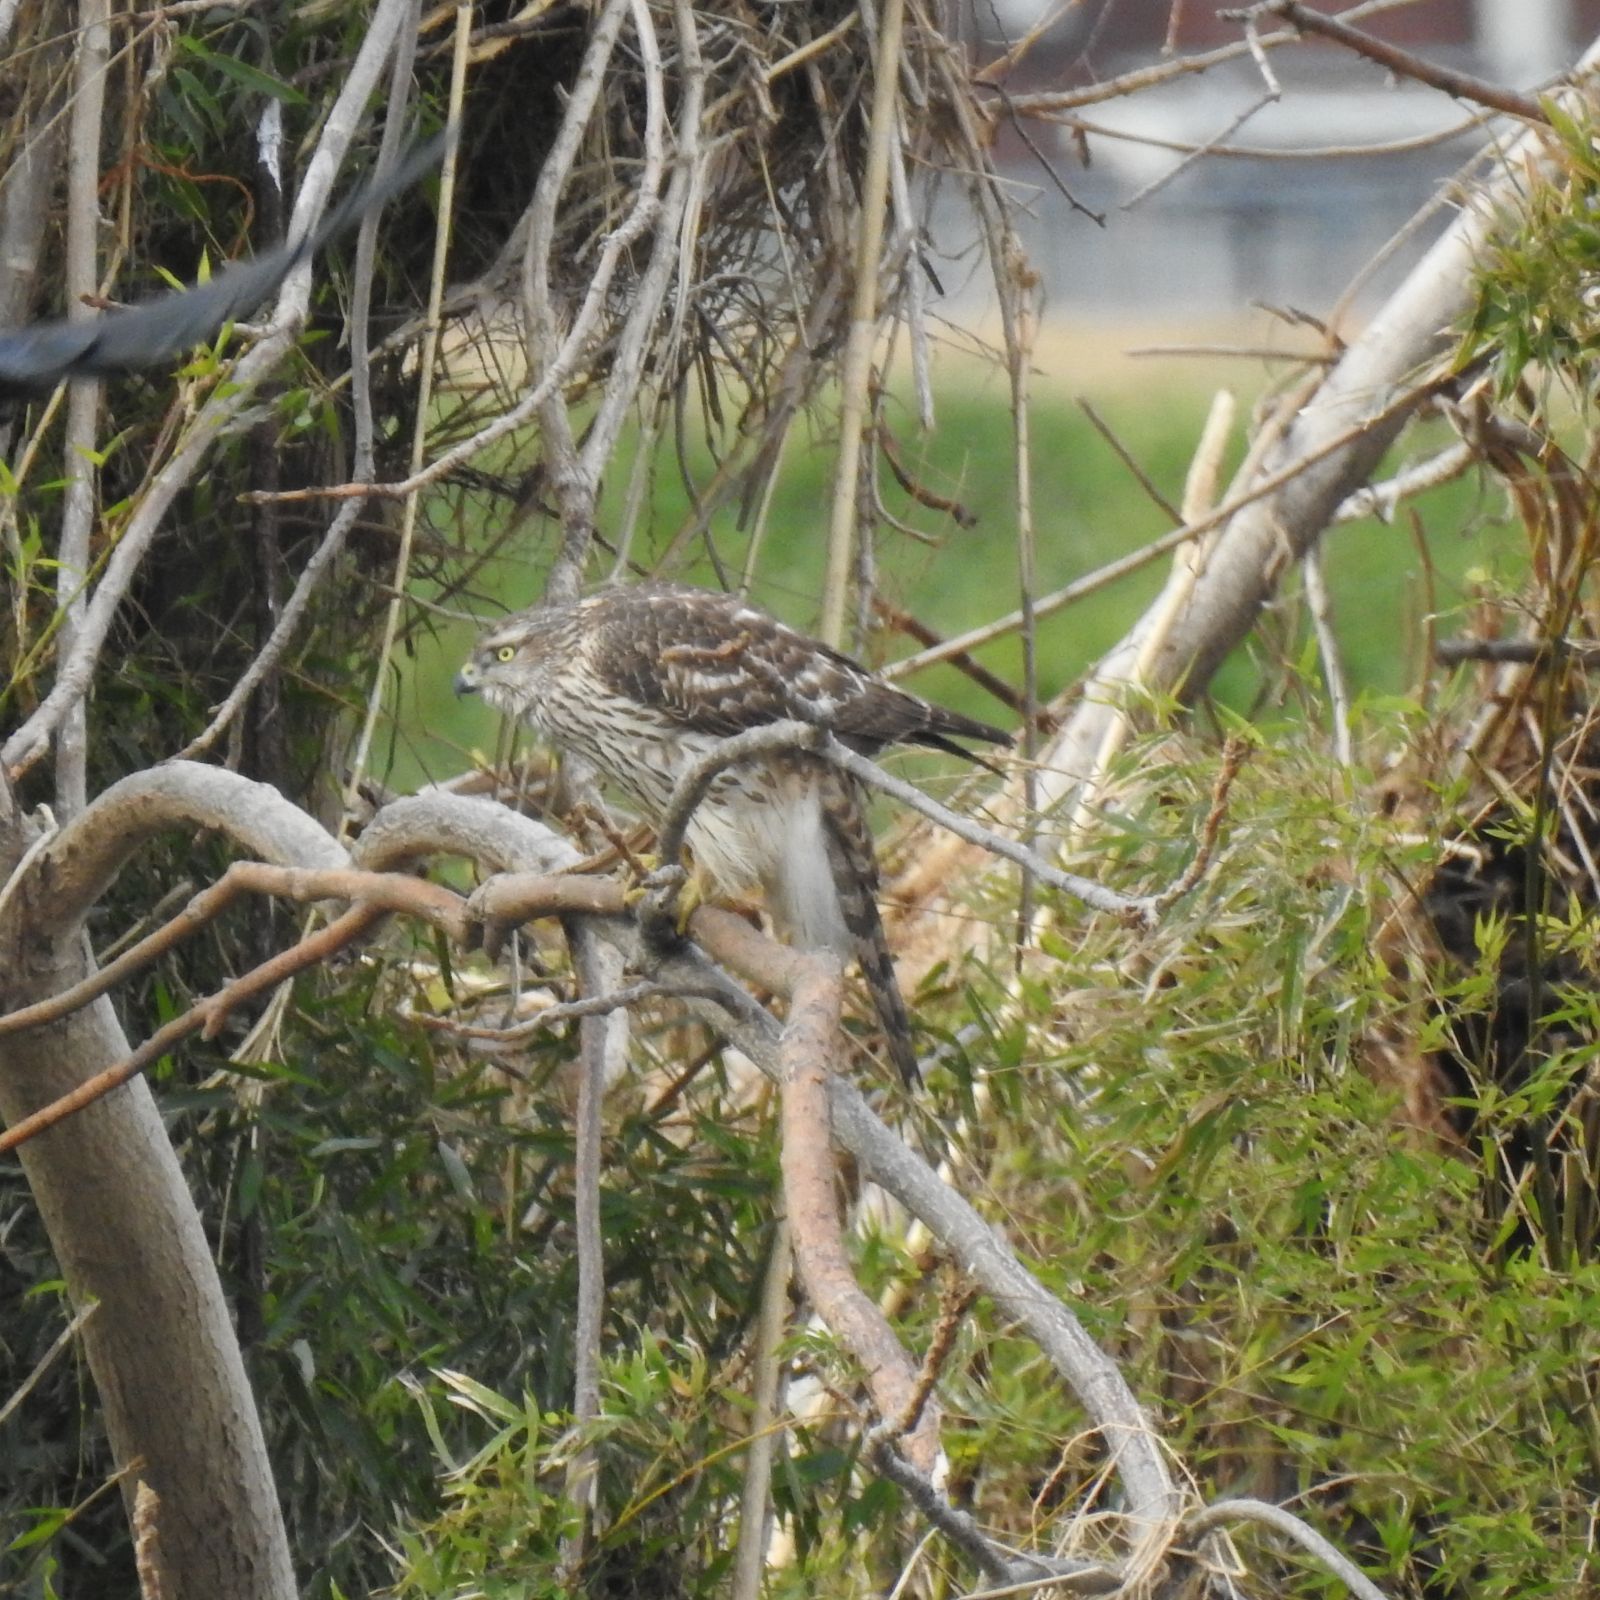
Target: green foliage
x=1191, y=1136
x=1536, y=301
x=1193, y=1140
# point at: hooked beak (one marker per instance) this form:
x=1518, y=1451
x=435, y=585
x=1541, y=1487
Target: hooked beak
x=467, y=679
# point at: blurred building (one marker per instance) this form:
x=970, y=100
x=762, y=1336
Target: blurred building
x=1299, y=191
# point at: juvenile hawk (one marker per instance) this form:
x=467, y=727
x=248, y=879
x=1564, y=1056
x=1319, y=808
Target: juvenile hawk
x=641, y=681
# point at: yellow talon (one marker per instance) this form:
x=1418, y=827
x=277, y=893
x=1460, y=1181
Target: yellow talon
x=640, y=869
x=694, y=894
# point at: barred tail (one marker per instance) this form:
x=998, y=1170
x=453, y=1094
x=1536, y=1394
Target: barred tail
x=854, y=864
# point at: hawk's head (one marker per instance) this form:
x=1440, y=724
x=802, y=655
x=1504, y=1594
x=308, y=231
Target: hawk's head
x=514, y=663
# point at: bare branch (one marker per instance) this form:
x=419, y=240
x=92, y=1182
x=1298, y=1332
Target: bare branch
x=810, y=1040
x=442, y=908
x=1014, y=1572
x=89, y=852
x=76, y=667
x=206, y=1018
x=574, y=490
x=1459, y=85
x=1130, y=83
x=701, y=774
x=483, y=830
x=765, y=1429
x=1131, y=1441
x=47, y=1360
x=603, y=1036
x=1285, y=1522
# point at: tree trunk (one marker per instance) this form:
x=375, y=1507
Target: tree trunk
x=161, y=1347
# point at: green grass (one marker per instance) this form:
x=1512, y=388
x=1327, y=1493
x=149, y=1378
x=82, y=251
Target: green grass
x=1088, y=510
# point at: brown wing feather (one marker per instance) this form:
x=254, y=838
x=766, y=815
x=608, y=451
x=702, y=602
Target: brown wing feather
x=720, y=666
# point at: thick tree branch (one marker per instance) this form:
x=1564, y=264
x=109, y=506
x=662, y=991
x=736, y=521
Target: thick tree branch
x=89, y=852
x=809, y=1042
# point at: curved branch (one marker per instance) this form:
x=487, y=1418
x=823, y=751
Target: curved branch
x=89, y=852
x=700, y=774
x=1293, y=1527
x=1131, y=1441
x=483, y=830
x=1135, y=1448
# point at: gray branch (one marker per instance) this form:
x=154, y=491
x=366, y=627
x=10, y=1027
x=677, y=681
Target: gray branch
x=90, y=851
x=696, y=781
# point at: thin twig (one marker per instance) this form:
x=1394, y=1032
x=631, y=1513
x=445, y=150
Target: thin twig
x=1380, y=500
x=1127, y=458
x=598, y=1005
x=427, y=369
x=1130, y=83
x=1520, y=652
x=855, y=371
x=205, y=1018
x=1297, y=155
x=940, y=1345
x=47, y=1360
x=1156, y=548
x=1459, y=85
x=1223, y=134
x=1234, y=754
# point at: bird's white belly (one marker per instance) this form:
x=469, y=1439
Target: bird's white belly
x=777, y=840
x=757, y=825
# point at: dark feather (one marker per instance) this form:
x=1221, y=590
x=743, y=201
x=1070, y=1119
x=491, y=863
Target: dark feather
x=34, y=360
x=722, y=666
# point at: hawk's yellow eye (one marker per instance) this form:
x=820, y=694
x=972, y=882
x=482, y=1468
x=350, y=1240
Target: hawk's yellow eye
x=505, y=652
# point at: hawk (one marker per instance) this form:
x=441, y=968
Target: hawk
x=641, y=681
